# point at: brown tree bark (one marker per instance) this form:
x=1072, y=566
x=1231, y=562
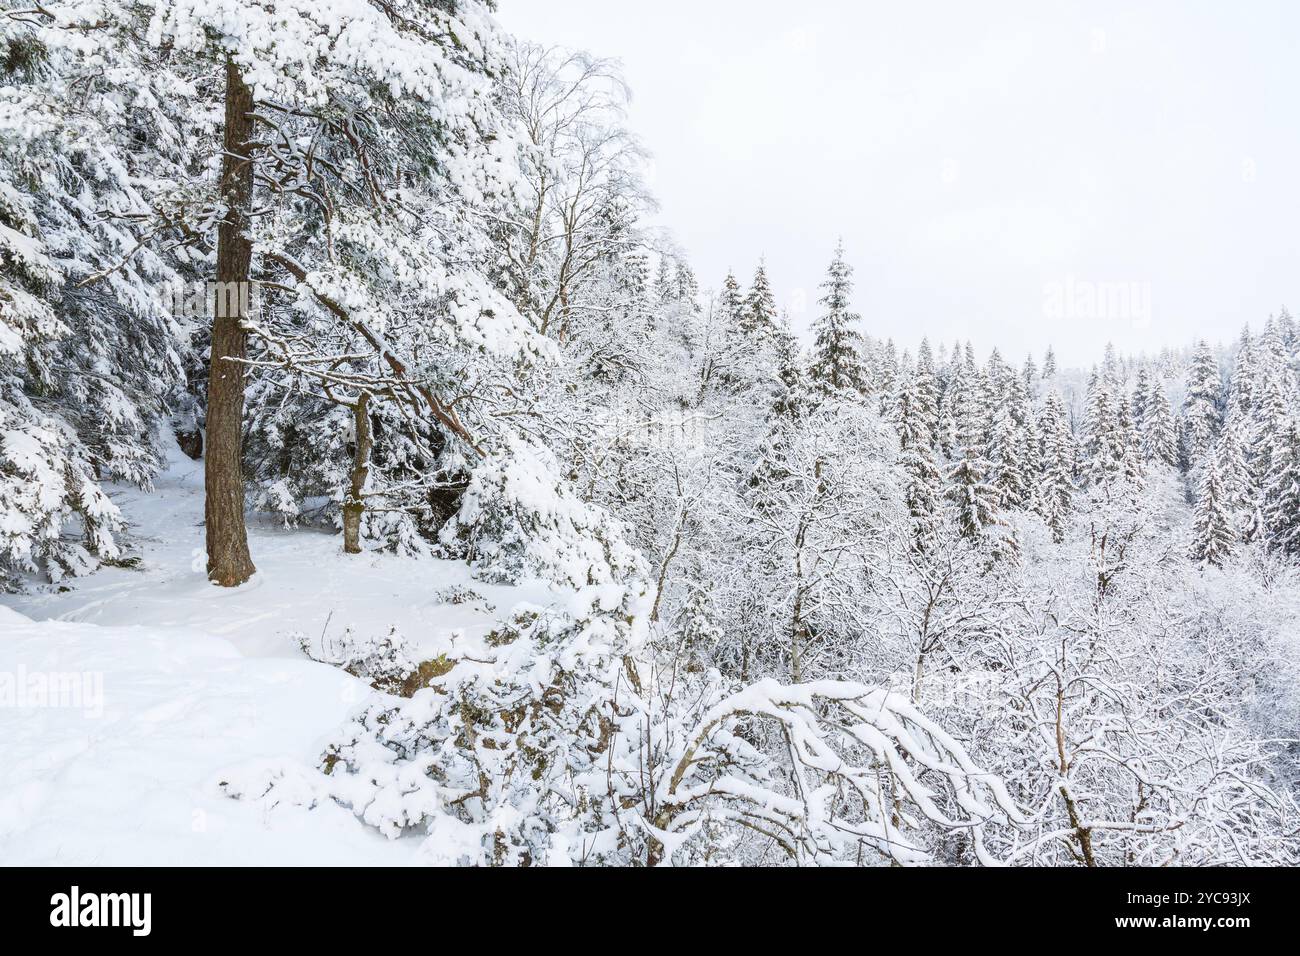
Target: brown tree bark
x=229, y=563
x=354, y=505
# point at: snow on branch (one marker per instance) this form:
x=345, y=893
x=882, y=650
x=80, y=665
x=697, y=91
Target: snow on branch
x=860, y=763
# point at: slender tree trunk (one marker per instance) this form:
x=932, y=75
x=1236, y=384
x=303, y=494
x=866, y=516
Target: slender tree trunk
x=798, y=626
x=229, y=563
x=354, y=505
x=682, y=516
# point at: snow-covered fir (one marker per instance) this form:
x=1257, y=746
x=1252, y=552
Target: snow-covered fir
x=486, y=532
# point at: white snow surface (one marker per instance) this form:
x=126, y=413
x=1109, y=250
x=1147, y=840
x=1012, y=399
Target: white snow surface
x=197, y=681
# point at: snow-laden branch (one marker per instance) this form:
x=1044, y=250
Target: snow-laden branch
x=857, y=756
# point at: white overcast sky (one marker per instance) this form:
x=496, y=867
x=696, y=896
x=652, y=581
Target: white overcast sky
x=976, y=157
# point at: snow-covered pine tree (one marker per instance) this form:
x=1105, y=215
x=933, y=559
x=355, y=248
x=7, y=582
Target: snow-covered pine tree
x=1281, y=499
x=976, y=505
x=687, y=286
x=1272, y=411
x=746, y=336
x=987, y=401
x=1241, y=382
x=1054, y=498
x=1201, y=415
x=1131, y=462
x=886, y=375
x=698, y=629
x=837, y=363
x=89, y=356
x=957, y=410
x=1016, y=395
x=1031, y=455
x=1158, y=430
x=925, y=389
x=1103, y=450
x=1234, y=474
x=793, y=399
x=47, y=475
x=1213, y=534
x=751, y=334
x=386, y=290
x=922, y=480
x=1006, y=457
x=1138, y=401
x=731, y=304
x=759, y=314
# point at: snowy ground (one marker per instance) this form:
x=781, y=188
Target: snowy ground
x=167, y=681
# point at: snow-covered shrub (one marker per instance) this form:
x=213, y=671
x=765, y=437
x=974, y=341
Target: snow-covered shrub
x=545, y=742
x=520, y=519
x=544, y=746
x=46, y=480
x=389, y=662
x=458, y=594
x=486, y=755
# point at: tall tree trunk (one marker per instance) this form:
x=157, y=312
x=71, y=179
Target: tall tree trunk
x=229, y=563
x=354, y=505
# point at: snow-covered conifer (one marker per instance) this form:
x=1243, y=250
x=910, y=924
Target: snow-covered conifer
x=1159, y=431
x=1054, y=498
x=1201, y=413
x=837, y=363
x=1281, y=498
x=1213, y=536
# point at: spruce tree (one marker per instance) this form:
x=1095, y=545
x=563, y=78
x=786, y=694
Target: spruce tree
x=1029, y=374
x=749, y=334
x=1234, y=475
x=1128, y=441
x=956, y=411
x=1159, y=432
x=1271, y=414
x=975, y=499
x=1281, y=497
x=837, y=363
x=1241, y=386
x=687, y=287
x=1138, y=400
x=758, y=316
x=792, y=399
x=1201, y=408
x=1055, y=493
x=1031, y=454
x=925, y=390
x=731, y=303
x=90, y=355
x=977, y=508
x=1213, y=535
x=1103, y=442
x=1006, y=456
x=977, y=424
x=922, y=481
x=698, y=630
x=886, y=374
